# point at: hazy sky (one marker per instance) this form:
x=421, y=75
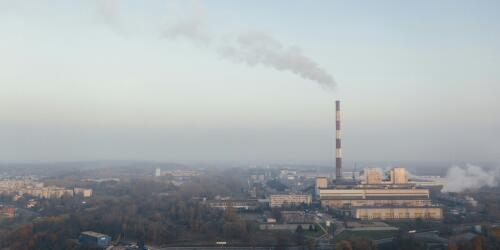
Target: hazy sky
x=151, y=80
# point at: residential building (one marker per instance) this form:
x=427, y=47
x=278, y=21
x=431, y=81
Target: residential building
x=243, y=204
x=278, y=200
x=85, y=192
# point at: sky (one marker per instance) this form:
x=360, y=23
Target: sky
x=249, y=81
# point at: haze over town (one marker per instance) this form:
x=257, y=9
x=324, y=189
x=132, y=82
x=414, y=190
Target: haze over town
x=95, y=80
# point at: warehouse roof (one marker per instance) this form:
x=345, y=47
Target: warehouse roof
x=412, y=197
x=94, y=234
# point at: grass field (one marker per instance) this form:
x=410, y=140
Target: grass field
x=411, y=225
x=374, y=235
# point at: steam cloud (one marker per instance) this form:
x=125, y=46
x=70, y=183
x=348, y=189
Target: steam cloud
x=255, y=48
x=470, y=177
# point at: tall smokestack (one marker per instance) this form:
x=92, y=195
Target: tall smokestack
x=338, y=148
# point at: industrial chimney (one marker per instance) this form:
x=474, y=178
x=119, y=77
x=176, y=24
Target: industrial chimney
x=338, y=148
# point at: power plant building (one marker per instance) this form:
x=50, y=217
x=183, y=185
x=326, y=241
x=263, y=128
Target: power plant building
x=379, y=196
x=399, y=176
x=373, y=176
x=385, y=202
x=321, y=182
x=355, y=197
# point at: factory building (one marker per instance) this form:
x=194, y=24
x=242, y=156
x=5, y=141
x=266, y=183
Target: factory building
x=381, y=203
x=399, y=176
x=342, y=198
x=85, y=192
x=373, y=176
x=391, y=213
x=278, y=200
x=321, y=182
x=91, y=239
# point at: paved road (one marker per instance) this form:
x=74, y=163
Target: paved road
x=215, y=248
x=235, y=248
x=339, y=227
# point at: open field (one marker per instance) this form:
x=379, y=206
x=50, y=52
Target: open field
x=374, y=235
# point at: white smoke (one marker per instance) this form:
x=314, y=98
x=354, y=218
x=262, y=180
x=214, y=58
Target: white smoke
x=257, y=48
x=190, y=29
x=251, y=48
x=107, y=8
x=107, y=11
x=470, y=177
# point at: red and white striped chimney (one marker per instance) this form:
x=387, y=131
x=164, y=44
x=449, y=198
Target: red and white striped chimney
x=338, y=148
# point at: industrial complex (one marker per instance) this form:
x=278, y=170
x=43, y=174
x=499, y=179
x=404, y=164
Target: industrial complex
x=375, y=196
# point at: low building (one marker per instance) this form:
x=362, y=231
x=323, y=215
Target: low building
x=85, y=192
x=31, y=203
x=180, y=173
x=278, y=200
x=296, y=217
x=44, y=192
x=270, y=220
x=16, y=184
x=243, y=204
x=397, y=213
x=291, y=227
x=8, y=212
x=94, y=240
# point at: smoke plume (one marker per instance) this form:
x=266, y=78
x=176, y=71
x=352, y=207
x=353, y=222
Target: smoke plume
x=189, y=29
x=254, y=48
x=470, y=178
x=251, y=48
